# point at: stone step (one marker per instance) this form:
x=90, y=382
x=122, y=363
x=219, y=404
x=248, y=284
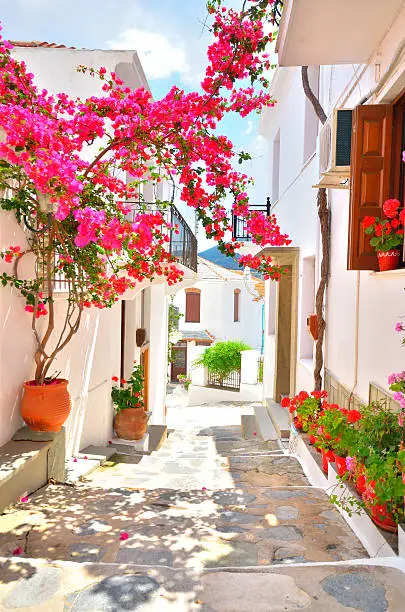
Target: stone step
x=57, y=586
x=248, y=526
x=265, y=424
x=279, y=417
x=250, y=428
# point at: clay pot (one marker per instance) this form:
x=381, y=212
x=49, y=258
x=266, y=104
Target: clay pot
x=361, y=484
x=131, y=423
x=340, y=464
x=327, y=457
x=388, y=260
x=312, y=439
x=46, y=407
x=382, y=518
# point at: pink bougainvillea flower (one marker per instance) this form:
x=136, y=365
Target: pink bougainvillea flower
x=203, y=488
x=255, y=433
x=25, y=499
x=75, y=460
x=124, y=536
x=351, y=463
x=18, y=551
x=399, y=327
x=85, y=457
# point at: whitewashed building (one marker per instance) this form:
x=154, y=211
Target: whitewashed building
x=105, y=345
x=356, y=57
x=223, y=304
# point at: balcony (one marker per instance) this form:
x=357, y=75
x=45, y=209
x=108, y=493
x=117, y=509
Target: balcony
x=183, y=243
x=238, y=223
x=323, y=32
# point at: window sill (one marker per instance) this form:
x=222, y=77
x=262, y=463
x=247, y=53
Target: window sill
x=397, y=272
x=307, y=363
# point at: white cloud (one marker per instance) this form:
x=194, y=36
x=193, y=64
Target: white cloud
x=160, y=56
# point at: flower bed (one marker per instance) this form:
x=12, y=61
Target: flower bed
x=367, y=447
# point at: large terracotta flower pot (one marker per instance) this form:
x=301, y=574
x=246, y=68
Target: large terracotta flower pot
x=45, y=407
x=388, y=260
x=327, y=457
x=341, y=466
x=131, y=423
x=361, y=484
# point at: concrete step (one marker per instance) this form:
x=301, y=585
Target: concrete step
x=279, y=417
x=265, y=424
x=250, y=428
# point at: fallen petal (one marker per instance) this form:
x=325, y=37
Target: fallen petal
x=24, y=499
x=18, y=551
x=124, y=536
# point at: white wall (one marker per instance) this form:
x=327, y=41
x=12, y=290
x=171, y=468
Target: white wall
x=216, y=312
x=381, y=296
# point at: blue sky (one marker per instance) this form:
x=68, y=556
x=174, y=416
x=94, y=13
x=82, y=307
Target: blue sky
x=169, y=35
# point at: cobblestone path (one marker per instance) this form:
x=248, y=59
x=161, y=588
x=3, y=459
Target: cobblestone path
x=210, y=522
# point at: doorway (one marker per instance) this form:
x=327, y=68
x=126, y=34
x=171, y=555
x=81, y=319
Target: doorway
x=179, y=363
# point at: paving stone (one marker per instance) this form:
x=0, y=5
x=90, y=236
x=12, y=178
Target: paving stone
x=240, y=553
x=140, y=556
x=287, y=513
x=284, y=494
x=238, y=517
x=283, y=532
x=93, y=526
x=115, y=594
x=86, y=552
x=35, y=590
x=357, y=589
x=232, y=498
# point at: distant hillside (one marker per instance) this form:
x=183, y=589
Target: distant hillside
x=218, y=258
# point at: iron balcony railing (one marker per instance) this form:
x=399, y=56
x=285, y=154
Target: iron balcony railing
x=277, y=12
x=239, y=231
x=183, y=243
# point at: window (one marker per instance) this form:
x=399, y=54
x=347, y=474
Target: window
x=377, y=172
x=192, y=305
x=236, y=299
x=275, y=192
x=311, y=120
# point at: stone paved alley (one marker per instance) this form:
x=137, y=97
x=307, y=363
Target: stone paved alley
x=215, y=523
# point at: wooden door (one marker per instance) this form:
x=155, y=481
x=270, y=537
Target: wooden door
x=145, y=366
x=179, y=363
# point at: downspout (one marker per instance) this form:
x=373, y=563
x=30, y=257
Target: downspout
x=262, y=345
x=356, y=337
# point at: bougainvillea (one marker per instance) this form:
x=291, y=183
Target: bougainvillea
x=87, y=223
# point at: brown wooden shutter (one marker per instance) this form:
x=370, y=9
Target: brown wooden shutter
x=192, y=306
x=370, y=178
x=236, y=295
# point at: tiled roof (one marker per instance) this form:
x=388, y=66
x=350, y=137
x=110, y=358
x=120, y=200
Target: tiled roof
x=38, y=43
x=196, y=335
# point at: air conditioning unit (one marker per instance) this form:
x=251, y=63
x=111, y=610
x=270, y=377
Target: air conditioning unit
x=334, y=148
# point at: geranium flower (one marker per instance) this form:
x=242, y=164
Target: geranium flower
x=390, y=208
x=353, y=416
x=351, y=463
x=368, y=222
x=285, y=402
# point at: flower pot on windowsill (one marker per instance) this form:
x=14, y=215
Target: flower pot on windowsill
x=388, y=260
x=46, y=407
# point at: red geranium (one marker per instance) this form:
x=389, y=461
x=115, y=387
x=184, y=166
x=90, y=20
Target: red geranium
x=390, y=208
x=353, y=416
x=285, y=402
x=368, y=222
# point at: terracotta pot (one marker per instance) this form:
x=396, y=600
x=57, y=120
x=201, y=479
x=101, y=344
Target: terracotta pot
x=131, y=423
x=388, y=260
x=45, y=407
x=340, y=464
x=327, y=457
x=361, y=484
x=382, y=518
x=298, y=423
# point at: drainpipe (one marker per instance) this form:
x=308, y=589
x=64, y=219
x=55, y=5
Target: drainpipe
x=262, y=345
x=356, y=336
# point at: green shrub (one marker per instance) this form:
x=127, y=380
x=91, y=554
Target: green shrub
x=223, y=357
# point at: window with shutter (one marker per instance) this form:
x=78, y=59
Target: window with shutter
x=236, y=295
x=370, y=178
x=192, y=306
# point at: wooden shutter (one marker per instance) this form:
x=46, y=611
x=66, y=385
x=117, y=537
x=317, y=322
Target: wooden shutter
x=370, y=178
x=236, y=295
x=193, y=307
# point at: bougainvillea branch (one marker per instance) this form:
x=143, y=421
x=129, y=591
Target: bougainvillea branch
x=90, y=225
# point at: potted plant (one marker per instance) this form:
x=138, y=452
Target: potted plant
x=131, y=420
x=185, y=381
x=306, y=407
x=387, y=234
